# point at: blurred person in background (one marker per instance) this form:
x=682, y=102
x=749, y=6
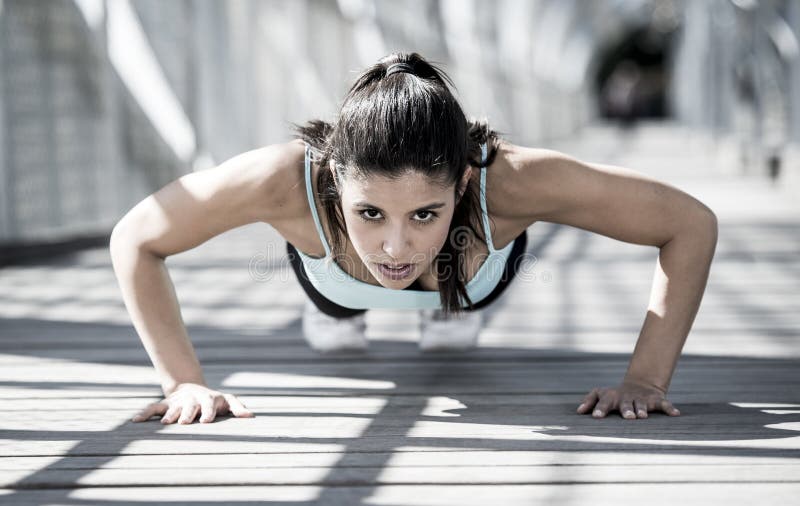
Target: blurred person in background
x=403, y=202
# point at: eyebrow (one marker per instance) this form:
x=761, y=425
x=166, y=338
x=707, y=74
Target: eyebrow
x=433, y=205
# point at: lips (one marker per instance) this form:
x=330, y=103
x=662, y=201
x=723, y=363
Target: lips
x=395, y=271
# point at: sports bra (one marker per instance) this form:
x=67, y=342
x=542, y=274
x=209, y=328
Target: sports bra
x=338, y=286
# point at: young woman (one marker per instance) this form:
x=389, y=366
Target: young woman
x=404, y=203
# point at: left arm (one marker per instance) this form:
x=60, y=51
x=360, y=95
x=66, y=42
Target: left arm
x=626, y=205
x=678, y=285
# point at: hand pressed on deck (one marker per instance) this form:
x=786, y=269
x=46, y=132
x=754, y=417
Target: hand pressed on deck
x=187, y=399
x=633, y=400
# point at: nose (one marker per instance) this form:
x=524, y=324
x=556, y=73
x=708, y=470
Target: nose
x=397, y=244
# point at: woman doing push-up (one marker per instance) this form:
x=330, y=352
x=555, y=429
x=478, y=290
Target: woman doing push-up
x=403, y=202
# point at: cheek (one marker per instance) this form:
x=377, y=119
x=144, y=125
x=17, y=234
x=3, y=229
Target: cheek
x=444, y=236
x=434, y=238
x=361, y=234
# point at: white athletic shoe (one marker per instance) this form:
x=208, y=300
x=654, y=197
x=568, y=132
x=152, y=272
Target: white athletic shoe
x=326, y=333
x=445, y=333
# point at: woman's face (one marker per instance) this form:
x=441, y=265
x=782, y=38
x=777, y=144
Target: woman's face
x=398, y=223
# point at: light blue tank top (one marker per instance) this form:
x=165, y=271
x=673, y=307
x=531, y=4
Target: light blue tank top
x=338, y=286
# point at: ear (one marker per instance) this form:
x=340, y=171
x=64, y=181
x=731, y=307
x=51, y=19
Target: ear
x=462, y=185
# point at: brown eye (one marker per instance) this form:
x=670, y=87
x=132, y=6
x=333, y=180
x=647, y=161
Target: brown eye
x=363, y=214
x=431, y=216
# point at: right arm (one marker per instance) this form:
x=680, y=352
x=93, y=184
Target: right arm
x=247, y=188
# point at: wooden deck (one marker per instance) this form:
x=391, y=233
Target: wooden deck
x=397, y=427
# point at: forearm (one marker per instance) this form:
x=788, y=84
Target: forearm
x=679, y=282
x=150, y=299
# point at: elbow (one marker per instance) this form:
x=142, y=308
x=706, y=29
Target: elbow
x=123, y=240
x=708, y=230
x=714, y=233
x=127, y=241
x=119, y=232
x=117, y=241
x=703, y=222
x=700, y=228
x=711, y=224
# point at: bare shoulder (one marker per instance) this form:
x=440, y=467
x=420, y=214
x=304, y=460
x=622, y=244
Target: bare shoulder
x=279, y=179
x=514, y=182
x=517, y=180
x=535, y=184
x=260, y=185
x=255, y=185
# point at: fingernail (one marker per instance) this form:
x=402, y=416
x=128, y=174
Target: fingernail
x=597, y=412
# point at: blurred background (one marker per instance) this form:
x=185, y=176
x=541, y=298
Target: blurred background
x=103, y=102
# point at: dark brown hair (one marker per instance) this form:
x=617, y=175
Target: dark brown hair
x=388, y=123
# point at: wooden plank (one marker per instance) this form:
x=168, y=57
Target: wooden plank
x=401, y=457
x=219, y=445
x=170, y=475
x=426, y=495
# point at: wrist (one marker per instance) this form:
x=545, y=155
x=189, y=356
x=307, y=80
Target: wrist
x=173, y=387
x=645, y=382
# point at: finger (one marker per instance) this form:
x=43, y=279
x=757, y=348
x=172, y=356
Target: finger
x=603, y=407
x=172, y=414
x=156, y=408
x=669, y=409
x=626, y=409
x=143, y=415
x=588, y=401
x=237, y=408
x=641, y=408
x=207, y=410
x=188, y=413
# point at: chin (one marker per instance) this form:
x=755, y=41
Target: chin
x=399, y=284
